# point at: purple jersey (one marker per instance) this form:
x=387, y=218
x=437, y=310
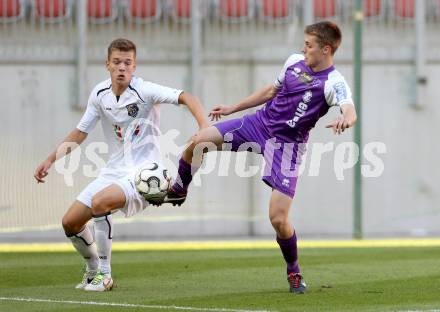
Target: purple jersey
x=303, y=98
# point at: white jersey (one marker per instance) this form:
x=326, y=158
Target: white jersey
x=130, y=124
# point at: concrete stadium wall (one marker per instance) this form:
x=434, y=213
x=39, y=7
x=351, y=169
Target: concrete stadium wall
x=403, y=201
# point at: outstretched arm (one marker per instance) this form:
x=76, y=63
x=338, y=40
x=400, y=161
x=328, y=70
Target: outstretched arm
x=259, y=97
x=195, y=107
x=346, y=120
x=76, y=136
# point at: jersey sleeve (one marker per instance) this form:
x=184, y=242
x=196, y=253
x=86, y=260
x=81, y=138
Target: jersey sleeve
x=91, y=115
x=337, y=92
x=294, y=58
x=157, y=94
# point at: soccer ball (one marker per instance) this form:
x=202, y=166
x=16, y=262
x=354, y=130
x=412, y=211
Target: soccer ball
x=152, y=181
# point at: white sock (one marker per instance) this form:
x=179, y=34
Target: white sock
x=84, y=244
x=103, y=238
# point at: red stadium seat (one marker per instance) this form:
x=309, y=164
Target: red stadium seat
x=275, y=8
x=51, y=9
x=324, y=8
x=404, y=8
x=144, y=9
x=10, y=9
x=101, y=11
x=372, y=8
x=99, y=8
x=182, y=8
x=235, y=8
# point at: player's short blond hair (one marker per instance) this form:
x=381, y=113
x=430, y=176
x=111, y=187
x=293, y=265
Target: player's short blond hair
x=121, y=44
x=327, y=33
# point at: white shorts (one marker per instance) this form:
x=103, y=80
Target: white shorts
x=134, y=202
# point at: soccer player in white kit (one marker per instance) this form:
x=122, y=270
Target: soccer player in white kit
x=129, y=114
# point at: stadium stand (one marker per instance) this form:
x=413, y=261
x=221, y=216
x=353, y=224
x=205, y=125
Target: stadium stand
x=181, y=9
x=235, y=10
x=143, y=10
x=11, y=10
x=52, y=10
x=102, y=11
x=275, y=8
x=372, y=8
x=324, y=8
x=403, y=8
x=107, y=11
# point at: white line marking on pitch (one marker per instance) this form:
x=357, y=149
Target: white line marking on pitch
x=418, y=311
x=128, y=305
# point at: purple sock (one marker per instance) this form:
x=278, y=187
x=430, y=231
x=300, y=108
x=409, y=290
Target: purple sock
x=184, y=177
x=290, y=253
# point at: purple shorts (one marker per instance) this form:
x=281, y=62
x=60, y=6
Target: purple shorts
x=282, y=159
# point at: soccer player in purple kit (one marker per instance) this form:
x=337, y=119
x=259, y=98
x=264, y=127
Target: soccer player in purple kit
x=306, y=88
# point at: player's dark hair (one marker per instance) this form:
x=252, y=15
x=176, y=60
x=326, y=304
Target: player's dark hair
x=121, y=44
x=327, y=33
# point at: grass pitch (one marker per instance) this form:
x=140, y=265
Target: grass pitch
x=339, y=279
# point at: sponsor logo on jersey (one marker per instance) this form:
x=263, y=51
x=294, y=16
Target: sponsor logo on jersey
x=296, y=71
x=300, y=109
x=308, y=79
x=305, y=78
x=137, y=130
x=132, y=110
x=307, y=96
x=108, y=108
x=341, y=91
x=118, y=132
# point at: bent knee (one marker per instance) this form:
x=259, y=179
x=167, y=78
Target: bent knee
x=100, y=205
x=279, y=221
x=202, y=144
x=70, y=226
x=197, y=139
